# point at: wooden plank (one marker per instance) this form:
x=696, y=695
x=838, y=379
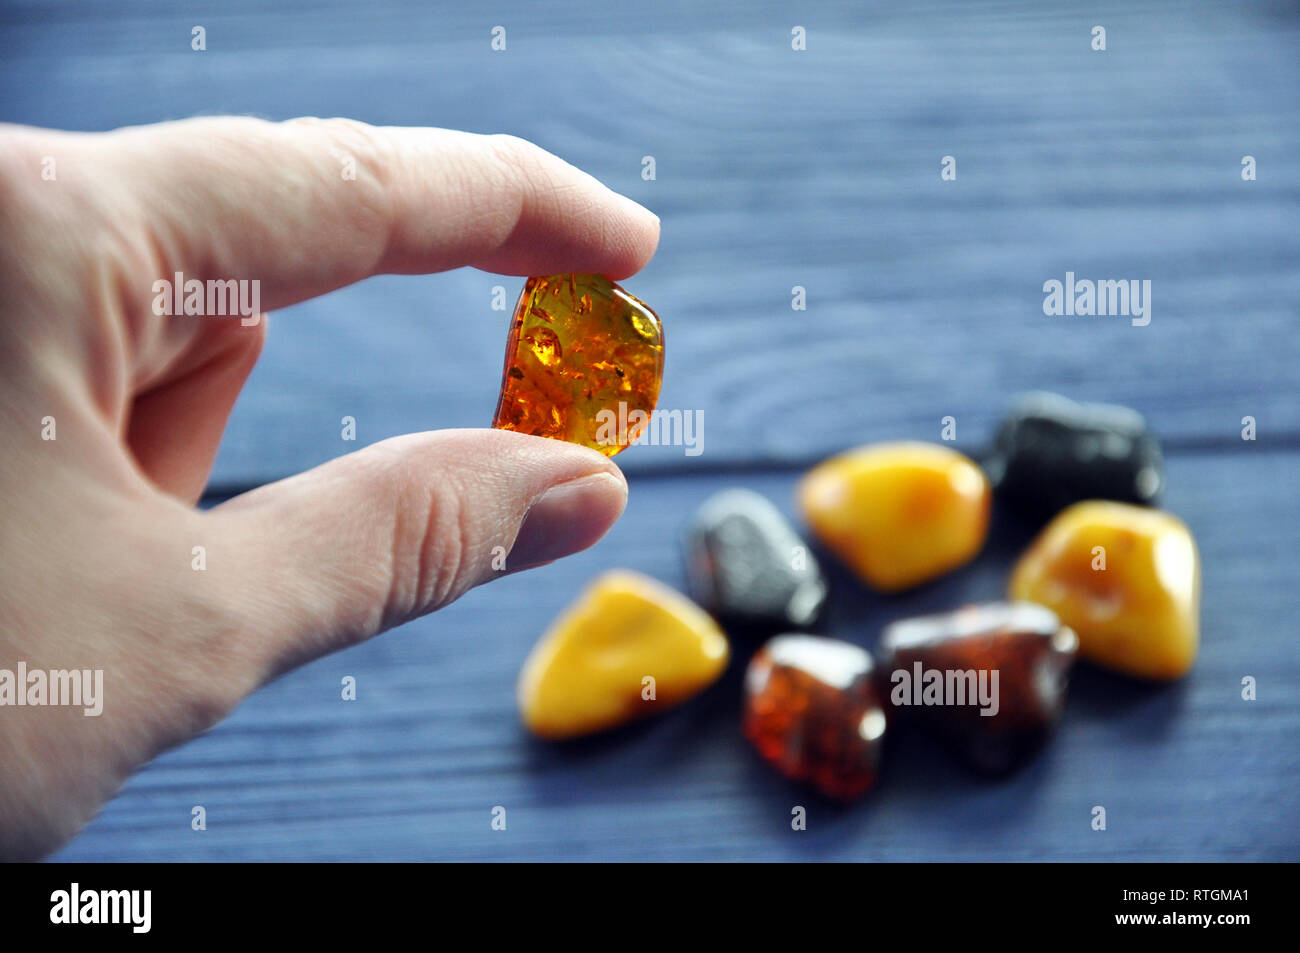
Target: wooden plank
x=412, y=769
x=776, y=169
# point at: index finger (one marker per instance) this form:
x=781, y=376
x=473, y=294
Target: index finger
x=310, y=205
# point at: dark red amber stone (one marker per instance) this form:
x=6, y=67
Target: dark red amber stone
x=1024, y=643
x=814, y=712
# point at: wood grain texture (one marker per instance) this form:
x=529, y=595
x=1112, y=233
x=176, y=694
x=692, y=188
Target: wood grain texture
x=774, y=169
x=412, y=769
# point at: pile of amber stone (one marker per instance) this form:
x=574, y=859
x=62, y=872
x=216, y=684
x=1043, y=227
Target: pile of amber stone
x=1109, y=578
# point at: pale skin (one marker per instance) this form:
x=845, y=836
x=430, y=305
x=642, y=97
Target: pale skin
x=99, y=524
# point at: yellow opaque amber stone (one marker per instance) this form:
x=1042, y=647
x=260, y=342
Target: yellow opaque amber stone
x=629, y=647
x=898, y=513
x=1126, y=578
x=584, y=362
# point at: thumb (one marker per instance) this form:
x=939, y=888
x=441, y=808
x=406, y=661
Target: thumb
x=330, y=557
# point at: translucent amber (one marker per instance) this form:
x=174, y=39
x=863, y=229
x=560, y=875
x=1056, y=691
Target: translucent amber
x=1126, y=578
x=629, y=647
x=898, y=513
x=584, y=362
x=814, y=712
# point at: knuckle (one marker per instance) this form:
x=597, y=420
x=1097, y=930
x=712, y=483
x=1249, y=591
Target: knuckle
x=514, y=150
x=349, y=138
x=96, y=248
x=431, y=543
x=433, y=554
x=369, y=155
x=19, y=159
x=24, y=217
x=523, y=162
x=347, y=135
x=451, y=539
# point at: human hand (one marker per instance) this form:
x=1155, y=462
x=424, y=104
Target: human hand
x=100, y=524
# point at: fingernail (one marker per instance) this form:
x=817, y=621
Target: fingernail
x=568, y=518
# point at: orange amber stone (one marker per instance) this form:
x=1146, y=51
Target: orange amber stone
x=814, y=712
x=583, y=363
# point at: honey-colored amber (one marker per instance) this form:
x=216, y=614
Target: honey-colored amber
x=584, y=363
x=1126, y=578
x=589, y=671
x=898, y=513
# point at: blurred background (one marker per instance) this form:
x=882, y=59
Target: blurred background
x=773, y=168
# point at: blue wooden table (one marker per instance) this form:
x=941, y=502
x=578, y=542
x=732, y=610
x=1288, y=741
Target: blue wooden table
x=775, y=168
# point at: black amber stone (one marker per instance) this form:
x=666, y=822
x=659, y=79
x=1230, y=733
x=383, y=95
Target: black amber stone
x=1023, y=643
x=1051, y=451
x=747, y=565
